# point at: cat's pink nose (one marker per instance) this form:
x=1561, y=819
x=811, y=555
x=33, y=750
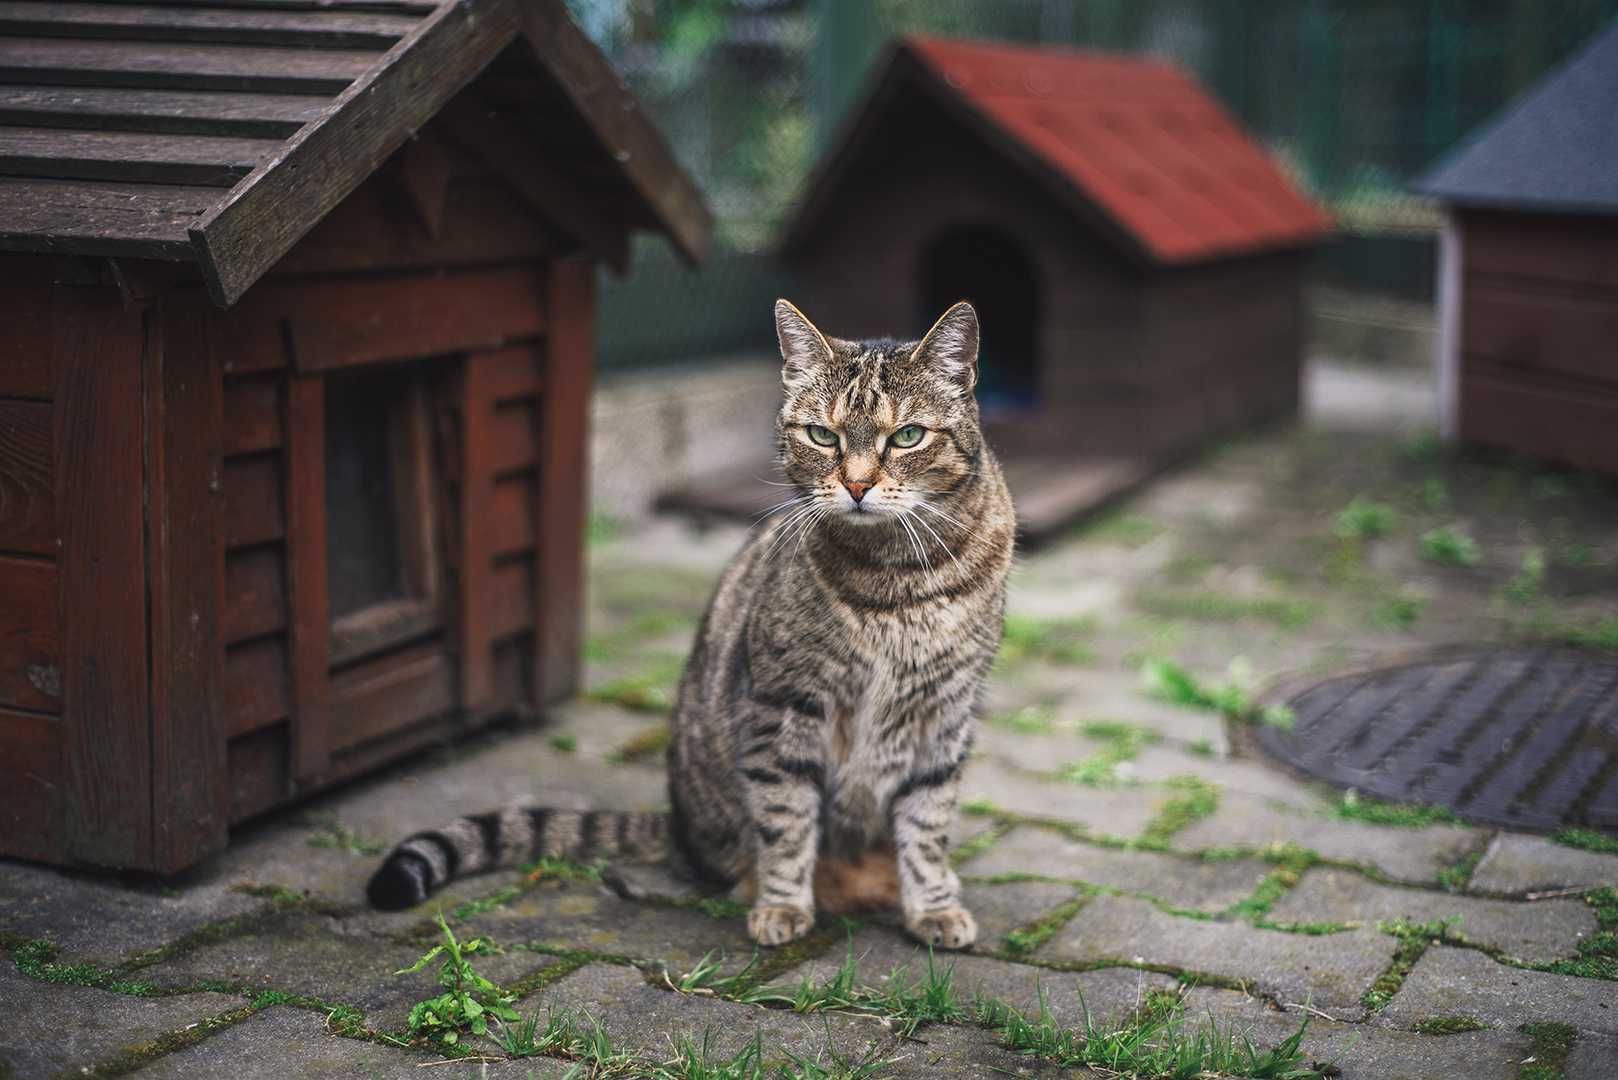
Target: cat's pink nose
x=858, y=488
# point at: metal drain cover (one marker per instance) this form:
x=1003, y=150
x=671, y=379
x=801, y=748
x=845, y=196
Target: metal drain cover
x=1526, y=738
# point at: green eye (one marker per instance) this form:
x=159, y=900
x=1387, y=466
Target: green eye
x=907, y=436
x=821, y=436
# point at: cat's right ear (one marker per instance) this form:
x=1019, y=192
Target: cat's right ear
x=803, y=348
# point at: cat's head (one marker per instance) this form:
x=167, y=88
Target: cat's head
x=873, y=428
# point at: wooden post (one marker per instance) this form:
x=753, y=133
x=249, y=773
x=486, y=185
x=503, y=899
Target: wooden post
x=564, y=477
x=310, y=629
x=186, y=564
x=477, y=544
x=97, y=434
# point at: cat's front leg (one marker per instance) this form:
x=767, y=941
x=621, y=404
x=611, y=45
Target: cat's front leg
x=783, y=779
x=929, y=890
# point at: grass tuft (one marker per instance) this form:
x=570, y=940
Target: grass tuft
x=1449, y=547
x=1356, y=807
x=1121, y=743
x=1363, y=519
x=1152, y=1041
x=1587, y=840
x=564, y=743
x=1054, y=641
x=1206, y=606
x=1028, y=720
x=1168, y=681
x=1598, y=953
x=468, y=1003
x=328, y=832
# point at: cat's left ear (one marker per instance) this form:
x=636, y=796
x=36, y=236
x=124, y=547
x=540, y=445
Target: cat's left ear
x=951, y=346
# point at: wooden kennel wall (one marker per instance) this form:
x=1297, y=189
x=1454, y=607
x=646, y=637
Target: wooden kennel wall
x=294, y=389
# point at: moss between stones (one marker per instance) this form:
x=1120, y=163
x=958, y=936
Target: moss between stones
x=1291, y=862
x=1454, y=877
x=1025, y=939
x=134, y=1057
x=1588, y=840
x=37, y=959
x=1355, y=807
x=1414, y=938
x=1449, y=1025
x=1552, y=1044
x=1198, y=799
x=1598, y=953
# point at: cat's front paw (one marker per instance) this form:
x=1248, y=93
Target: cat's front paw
x=948, y=928
x=775, y=924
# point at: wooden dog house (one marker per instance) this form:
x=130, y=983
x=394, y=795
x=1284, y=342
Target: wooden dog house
x=1528, y=269
x=1135, y=257
x=294, y=385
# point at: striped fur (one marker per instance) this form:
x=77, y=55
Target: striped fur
x=829, y=702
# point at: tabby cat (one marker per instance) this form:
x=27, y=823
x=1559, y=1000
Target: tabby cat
x=828, y=705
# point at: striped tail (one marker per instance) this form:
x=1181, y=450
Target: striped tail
x=428, y=861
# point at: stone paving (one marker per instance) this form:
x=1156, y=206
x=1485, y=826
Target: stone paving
x=1123, y=853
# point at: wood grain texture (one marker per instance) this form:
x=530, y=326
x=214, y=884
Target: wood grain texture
x=511, y=607
x=597, y=223
x=30, y=786
x=364, y=321
x=130, y=157
x=27, y=481
x=258, y=769
x=183, y=415
x=600, y=95
x=199, y=112
x=252, y=414
x=379, y=698
x=564, y=480
x=97, y=432
x=484, y=222
x=64, y=62
x=30, y=638
x=257, y=686
x=309, y=601
x=25, y=347
x=255, y=596
x=284, y=197
x=146, y=221
x=515, y=436
x=514, y=373
x=511, y=516
x=254, y=510
x=154, y=22
x=476, y=547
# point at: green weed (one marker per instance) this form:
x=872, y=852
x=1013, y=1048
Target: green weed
x=1588, y=840
x=1168, y=681
x=906, y=1000
x=1201, y=747
x=328, y=832
x=1356, y=807
x=1400, y=610
x=1552, y=1044
x=1025, y=939
x=1363, y=519
x=469, y=1001
x=564, y=743
x=1121, y=743
x=1525, y=587
x=1028, y=720
x=1127, y=530
x=1055, y=641
x=1598, y=953
x=1196, y=800
x=697, y=1061
x=1290, y=863
x=36, y=958
x=1449, y=547
x=651, y=690
x=1150, y=1042
x=1449, y=1025
x=1454, y=878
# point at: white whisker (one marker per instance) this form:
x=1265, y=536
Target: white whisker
x=923, y=523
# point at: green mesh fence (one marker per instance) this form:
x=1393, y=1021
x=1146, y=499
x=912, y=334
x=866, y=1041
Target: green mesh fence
x=1353, y=96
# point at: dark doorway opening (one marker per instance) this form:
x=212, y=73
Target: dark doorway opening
x=985, y=266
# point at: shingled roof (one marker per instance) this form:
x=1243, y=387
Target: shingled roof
x=221, y=131
x=1131, y=140
x=1555, y=148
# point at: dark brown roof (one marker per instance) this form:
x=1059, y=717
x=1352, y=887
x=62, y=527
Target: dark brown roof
x=222, y=131
x=1137, y=140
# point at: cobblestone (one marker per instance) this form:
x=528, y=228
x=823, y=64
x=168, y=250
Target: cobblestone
x=1538, y=933
x=1463, y=982
x=1189, y=883
x=1330, y=971
x=1516, y=863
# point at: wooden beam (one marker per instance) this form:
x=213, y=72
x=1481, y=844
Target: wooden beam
x=34, y=61
x=564, y=480
x=476, y=539
x=200, y=112
x=99, y=435
x=154, y=22
x=306, y=561
x=268, y=212
x=186, y=566
x=588, y=80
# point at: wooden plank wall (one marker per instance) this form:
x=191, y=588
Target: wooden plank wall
x=1539, y=336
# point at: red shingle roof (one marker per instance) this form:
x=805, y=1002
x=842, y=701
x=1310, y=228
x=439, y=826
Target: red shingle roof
x=1138, y=138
